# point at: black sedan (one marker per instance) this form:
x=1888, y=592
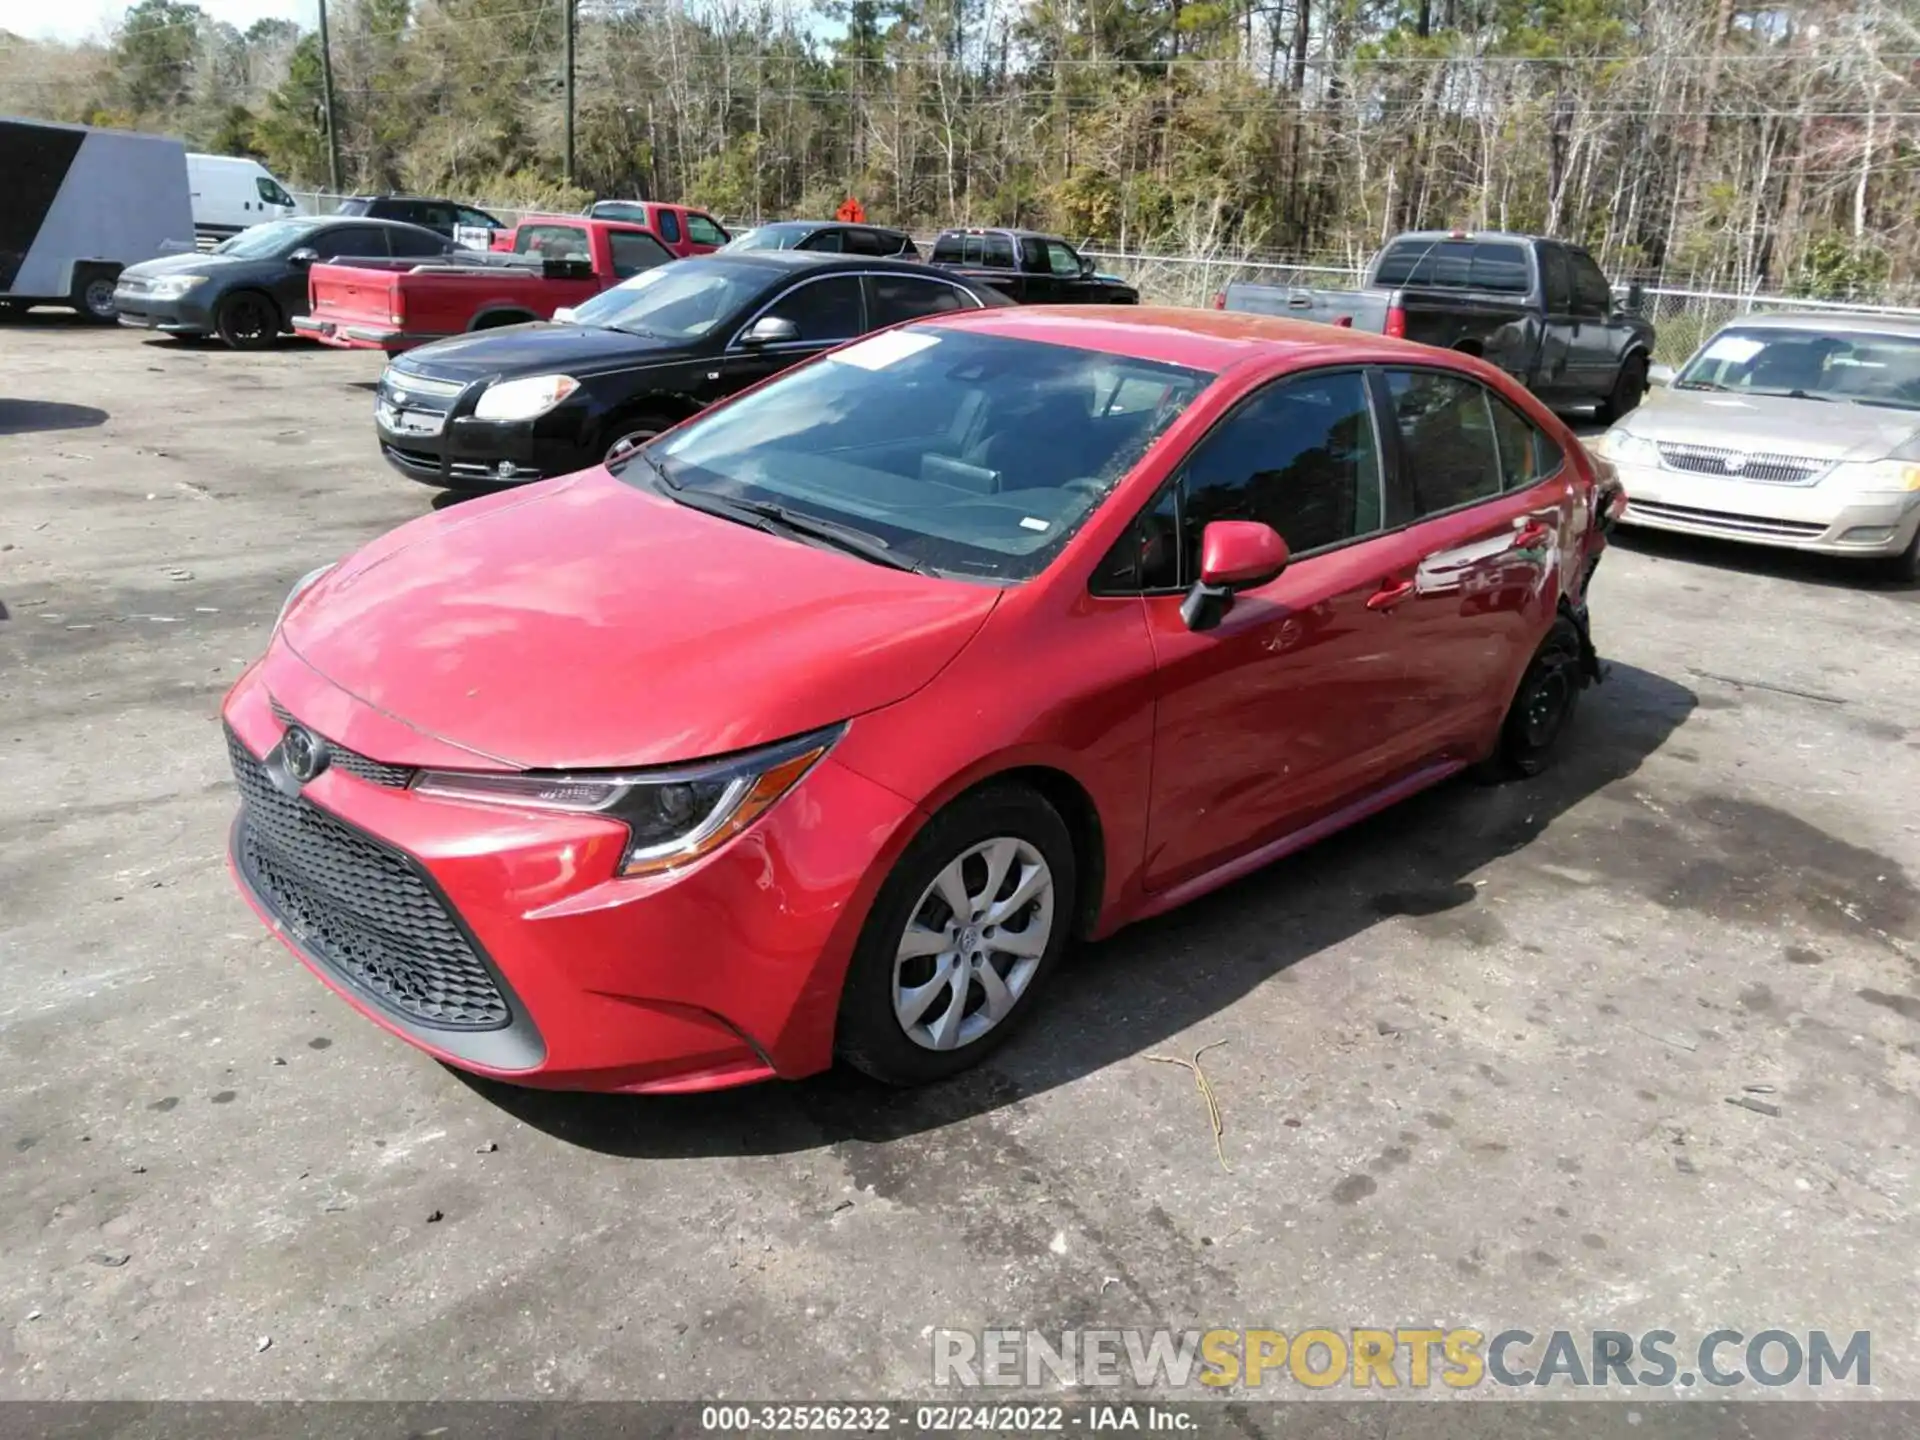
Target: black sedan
x=502, y=407
x=835, y=237
x=250, y=287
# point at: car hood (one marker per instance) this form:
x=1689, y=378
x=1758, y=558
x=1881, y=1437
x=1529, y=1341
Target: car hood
x=195, y=264
x=540, y=348
x=1826, y=429
x=587, y=624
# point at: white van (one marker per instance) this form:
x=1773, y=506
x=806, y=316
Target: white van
x=230, y=193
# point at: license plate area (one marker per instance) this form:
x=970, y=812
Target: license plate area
x=397, y=421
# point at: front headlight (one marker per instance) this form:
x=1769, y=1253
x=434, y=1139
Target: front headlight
x=300, y=587
x=524, y=399
x=1890, y=474
x=1623, y=447
x=172, y=287
x=673, y=816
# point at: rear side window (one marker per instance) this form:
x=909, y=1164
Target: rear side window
x=1522, y=448
x=416, y=243
x=1299, y=456
x=552, y=242
x=908, y=297
x=703, y=231
x=826, y=241
x=1446, y=438
x=862, y=242
x=1496, y=265
x=669, y=224
x=634, y=252
x=350, y=240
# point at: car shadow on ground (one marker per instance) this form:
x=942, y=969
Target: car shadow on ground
x=1837, y=572
x=1153, y=980
x=24, y=417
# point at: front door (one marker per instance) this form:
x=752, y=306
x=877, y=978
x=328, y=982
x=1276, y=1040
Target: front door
x=826, y=311
x=1591, y=359
x=1286, y=709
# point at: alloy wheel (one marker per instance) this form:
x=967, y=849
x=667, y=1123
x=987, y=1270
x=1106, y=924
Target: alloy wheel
x=973, y=943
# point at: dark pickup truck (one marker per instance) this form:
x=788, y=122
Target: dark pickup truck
x=1033, y=269
x=1539, y=309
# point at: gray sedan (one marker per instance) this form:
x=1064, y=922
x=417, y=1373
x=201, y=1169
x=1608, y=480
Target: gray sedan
x=1798, y=430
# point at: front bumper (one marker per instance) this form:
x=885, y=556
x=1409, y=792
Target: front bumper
x=1817, y=517
x=722, y=974
x=185, y=315
x=470, y=454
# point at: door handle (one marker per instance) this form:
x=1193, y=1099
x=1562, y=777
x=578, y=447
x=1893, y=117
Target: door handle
x=1390, y=594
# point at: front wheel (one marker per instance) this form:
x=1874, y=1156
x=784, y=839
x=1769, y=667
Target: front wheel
x=1542, y=708
x=1629, y=387
x=247, y=320
x=93, y=297
x=964, y=934
x=1904, y=568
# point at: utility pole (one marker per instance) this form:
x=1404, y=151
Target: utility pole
x=568, y=170
x=326, y=93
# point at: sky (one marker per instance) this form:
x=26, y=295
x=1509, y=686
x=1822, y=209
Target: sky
x=91, y=19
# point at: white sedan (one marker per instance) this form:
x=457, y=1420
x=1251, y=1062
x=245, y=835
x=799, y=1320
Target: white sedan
x=1794, y=430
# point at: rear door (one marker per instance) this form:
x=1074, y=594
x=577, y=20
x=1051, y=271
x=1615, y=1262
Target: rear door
x=1288, y=708
x=1486, y=526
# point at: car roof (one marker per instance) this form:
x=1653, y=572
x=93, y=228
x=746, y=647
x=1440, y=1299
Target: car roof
x=1510, y=236
x=1209, y=340
x=819, y=260
x=1001, y=230
x=1829, y=320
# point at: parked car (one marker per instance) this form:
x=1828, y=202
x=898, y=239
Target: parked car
x=1034, y=269
x=443, y=217
x=681, y=230
x=538, y=400
x=1790, y=430
x=1539, y=309
x=548, y=264
x=248, y=289
x=82, y=204
x=836, y=237
x=825, y=723
x=232, y=193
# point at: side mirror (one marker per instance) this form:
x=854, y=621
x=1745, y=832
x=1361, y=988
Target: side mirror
x=1234, y=555
x=770, y=330
x=303, y=257
x=563, y=315
x=1086, y=268
x=1636, y=297
x=1661, y=375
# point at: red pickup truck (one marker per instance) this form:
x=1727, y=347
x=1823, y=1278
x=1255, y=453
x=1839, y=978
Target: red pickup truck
x=540, y=265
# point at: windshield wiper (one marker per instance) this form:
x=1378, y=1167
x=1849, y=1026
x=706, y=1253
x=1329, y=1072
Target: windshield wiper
x=1790, y=394
x=1697, y=385
x=652, y=462
x=1886, y=404
x=774, y=519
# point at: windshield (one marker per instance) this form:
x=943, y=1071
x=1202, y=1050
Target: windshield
x=682, y=301
x=964, y=454
x=260, y=241
x=1860, y=367
x=770, y=237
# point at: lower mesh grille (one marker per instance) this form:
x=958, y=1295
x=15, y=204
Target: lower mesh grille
x=358, y=907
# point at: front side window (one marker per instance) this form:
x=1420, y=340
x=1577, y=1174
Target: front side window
x=998, y=252
x=682, y=301
x=477, y=218
x=703, y=231
x=1061, y=260
x=822, y=310
x=1446, y=437
x=552, y=242
x=268, y=189
x=1556, y=280
x=972, y=455
x=1300, y=456
x=1838, y=364
x=1591, y=293
x=634, y=251
x=275, y=237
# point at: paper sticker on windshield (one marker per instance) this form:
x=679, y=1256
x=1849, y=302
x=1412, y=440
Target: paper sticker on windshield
x=1027, y=522
x=883, y=350
x=1735, y=349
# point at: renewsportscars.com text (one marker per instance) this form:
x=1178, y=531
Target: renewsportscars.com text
x=1400, y=1358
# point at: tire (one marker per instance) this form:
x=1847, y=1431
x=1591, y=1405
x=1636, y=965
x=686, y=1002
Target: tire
x=1007, y=827
x=1904, y=568
x=1629, y=388
x=628, y=433
x=1542, y=709
x=247, y=320
x=498, y=320
x=92, y=295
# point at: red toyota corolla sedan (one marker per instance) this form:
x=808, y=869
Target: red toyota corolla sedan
x=825, y=726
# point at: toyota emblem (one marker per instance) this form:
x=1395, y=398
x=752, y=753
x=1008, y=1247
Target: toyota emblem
x=303, y=753
x=399, y=397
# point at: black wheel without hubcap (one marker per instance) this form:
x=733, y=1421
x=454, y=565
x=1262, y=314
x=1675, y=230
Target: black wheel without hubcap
x=1542, y=708
x=963, y=935
x=1904, y=568
x=247, y=321
x=1629, y=388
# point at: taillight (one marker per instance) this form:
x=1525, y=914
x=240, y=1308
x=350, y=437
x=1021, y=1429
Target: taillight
x=1219, y=299
x=1396, y=323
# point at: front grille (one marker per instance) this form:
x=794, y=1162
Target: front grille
x=1768, y=468
x=419, y=390
x=1724, y=523
x=359, y=907
x=361, y=767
